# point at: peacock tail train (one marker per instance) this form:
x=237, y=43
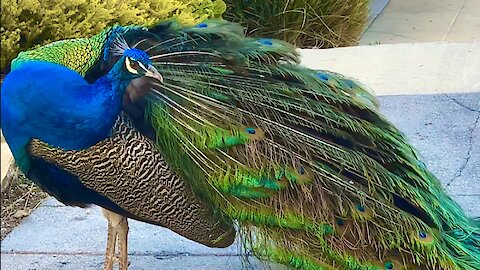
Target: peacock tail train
x=303, y=160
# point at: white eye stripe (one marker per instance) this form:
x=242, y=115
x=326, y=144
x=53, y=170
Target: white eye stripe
x=142, y=66
x=129, y=68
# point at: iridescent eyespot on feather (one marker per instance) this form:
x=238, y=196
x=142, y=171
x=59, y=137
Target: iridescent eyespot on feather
x=388, y=265
x=360, y=208
x=250, y=130
x=423, y=237
x=254, y=134
x=362, y=212
x=341, y=225
x=392, y=263
x=322, y=76
x=301, y=170
x=300, y=174
x=340, y=222
x=265, y=41
x=201, y=25
x=349, y=83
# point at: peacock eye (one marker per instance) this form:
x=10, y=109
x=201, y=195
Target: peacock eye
x=134, y=64
x=131, y=65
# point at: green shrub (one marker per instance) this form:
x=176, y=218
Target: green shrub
x=29, y=23
x=305, y=23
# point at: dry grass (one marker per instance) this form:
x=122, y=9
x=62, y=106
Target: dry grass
x=305, y=23
x=19, y=198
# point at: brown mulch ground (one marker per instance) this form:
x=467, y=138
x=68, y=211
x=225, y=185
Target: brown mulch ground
x=19, y=199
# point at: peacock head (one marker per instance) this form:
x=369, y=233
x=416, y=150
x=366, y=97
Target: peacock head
x=136, y=64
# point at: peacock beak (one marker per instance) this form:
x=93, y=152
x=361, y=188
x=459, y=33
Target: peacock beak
x=152, y=72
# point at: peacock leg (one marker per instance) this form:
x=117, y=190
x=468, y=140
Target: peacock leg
x=114, y=224
x=122, y=243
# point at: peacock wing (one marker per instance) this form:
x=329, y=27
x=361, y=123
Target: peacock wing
x=129, y=171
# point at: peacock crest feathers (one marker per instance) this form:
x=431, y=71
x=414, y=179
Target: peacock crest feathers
x=118, y=45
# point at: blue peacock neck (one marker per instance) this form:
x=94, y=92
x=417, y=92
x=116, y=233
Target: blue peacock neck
x=118, y=78
x=105, y=100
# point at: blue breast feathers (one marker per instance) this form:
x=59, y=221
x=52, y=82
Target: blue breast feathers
x=56, y=105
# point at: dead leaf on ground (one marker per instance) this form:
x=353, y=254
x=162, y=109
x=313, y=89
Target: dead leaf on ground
x=21, y=213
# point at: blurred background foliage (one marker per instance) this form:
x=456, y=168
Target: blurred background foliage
x=29, y=23
x=304, y=23
x=26, y=24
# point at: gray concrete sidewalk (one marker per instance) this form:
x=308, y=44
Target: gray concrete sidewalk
x=445, y=129
x=74, y=238
x=403, y=21
x=394, y=69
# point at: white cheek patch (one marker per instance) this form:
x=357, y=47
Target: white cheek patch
x=129, y=68
x=142, y=66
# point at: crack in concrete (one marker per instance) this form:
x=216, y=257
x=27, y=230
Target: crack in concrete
x=454, y=20
x=469, y=151
x=461, y=104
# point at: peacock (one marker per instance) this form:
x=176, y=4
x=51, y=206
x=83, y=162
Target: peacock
x=230, y=137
